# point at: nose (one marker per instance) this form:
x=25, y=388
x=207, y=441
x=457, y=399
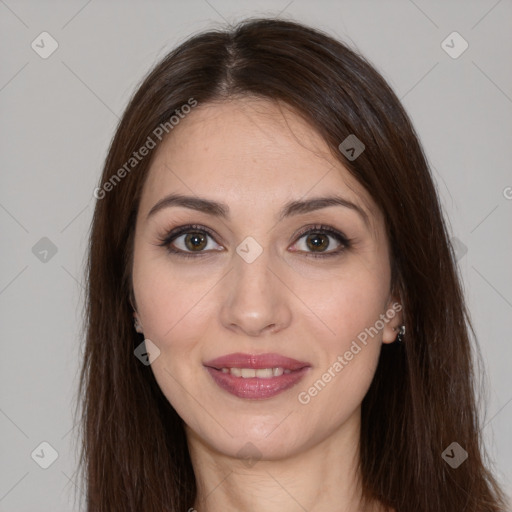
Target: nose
x=256, y=300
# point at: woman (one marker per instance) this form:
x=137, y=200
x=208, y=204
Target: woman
x=274, y=317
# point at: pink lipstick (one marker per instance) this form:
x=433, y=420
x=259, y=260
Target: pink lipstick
x=256, y=376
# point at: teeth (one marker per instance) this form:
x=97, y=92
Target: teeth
x=277, y=372
x=236, y=372
x=261, y=373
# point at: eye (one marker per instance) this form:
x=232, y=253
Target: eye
x=188, y=241
x=193, y=241
x=317, y=240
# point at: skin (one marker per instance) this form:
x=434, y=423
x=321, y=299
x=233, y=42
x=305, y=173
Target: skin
x=255, y=157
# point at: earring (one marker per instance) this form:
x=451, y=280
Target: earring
x=137, y=326
x=401, y=333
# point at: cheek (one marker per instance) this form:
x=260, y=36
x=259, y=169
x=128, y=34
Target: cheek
x=350, y=302
x=175, y=320
x=348, y=313
x=169, y=302
x=176, y=313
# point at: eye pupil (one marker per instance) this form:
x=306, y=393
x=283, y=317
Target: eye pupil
x=195, y=241
x=317, y=241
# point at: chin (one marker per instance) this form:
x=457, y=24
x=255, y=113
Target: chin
x=266, y=438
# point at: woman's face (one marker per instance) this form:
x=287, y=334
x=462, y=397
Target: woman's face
x=258, y=275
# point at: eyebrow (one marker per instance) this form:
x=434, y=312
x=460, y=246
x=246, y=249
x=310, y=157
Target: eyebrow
x=221, y=210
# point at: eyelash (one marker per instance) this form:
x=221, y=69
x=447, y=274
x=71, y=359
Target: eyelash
x=169, y=237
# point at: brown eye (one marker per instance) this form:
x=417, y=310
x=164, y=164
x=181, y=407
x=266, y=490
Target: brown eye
x=318, y=241
x=195, y=241
x=321, y=241
x=190, y=240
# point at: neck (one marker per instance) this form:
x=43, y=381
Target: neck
x=323, y=476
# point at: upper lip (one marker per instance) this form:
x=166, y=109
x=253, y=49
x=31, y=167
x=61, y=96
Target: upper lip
x=256, y=361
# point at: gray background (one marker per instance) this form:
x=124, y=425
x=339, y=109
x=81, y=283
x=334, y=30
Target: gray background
x=59, y=114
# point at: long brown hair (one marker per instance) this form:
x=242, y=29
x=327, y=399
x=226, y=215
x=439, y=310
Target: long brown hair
x=134, y=451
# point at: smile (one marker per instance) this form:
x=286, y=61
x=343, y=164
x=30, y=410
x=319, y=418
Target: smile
x=261, y=373
x=256, y=377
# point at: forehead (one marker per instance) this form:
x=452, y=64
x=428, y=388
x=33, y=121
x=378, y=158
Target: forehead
x=243, y=132
x=252, y=152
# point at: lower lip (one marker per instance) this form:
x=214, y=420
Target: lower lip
x=256, y=388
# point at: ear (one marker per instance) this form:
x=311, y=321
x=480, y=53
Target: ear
x=394, y=319
x=136, y=324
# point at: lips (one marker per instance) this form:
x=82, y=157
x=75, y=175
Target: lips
x=256, y=376
x=256, y=362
